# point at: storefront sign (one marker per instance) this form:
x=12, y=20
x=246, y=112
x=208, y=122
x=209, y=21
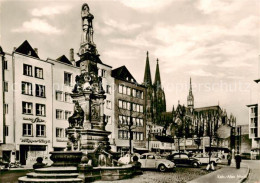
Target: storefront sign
x=30, y=141
x=36, y=120
x=62, y=140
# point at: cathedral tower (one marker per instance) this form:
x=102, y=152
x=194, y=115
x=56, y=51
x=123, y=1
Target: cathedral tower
x=159, y=102
x=190, y=98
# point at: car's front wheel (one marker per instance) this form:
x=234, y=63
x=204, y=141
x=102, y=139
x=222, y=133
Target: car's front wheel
x=162, y=168
x=195, y=164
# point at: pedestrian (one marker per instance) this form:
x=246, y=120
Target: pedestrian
x=229, y=158
x=238, y=161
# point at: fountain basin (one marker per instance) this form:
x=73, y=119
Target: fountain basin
x=90, y=174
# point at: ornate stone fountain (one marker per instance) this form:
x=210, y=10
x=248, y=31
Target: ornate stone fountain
x=88, y=156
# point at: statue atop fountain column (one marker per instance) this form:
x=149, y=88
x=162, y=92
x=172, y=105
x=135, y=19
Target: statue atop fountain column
x=87, y=26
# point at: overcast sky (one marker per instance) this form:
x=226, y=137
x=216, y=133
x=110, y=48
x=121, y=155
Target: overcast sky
x=215, y=42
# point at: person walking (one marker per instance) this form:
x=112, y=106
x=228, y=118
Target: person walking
x=238, y=161
x=229, y=158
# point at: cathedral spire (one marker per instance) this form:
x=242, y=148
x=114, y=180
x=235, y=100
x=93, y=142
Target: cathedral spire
x=157, y=79
x=147, y=72
x=190, y=98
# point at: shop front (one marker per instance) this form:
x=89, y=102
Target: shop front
x=28, y=153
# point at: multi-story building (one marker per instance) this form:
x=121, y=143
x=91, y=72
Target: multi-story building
x=254, y=127
x=129, y=102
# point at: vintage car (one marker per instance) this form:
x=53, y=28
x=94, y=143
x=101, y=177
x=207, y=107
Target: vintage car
x=204, y=159
x=153, y=161
x=182, y=159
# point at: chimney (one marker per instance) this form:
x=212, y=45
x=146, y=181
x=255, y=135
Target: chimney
x=14, y=48
x=36, y=50
x=72, y=56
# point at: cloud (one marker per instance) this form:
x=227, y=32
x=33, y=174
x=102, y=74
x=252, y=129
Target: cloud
x=47, y=11
x=219, y=6
x=200, y=72
x=37, y=25
x=147, y=6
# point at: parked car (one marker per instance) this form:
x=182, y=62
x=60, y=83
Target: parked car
x=153, y=161
x=204, y=159
x=182, y=159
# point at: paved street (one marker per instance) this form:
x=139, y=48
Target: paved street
x=181, y=175
x=254, y=175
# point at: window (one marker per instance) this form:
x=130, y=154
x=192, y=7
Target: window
x=141, y=108
x=143, y=157
x=67, y=114
x=252, y=110
x=137, y=94
x=120, y=119
x=40, y=90
x=134, y=92
x=109, y=104
x=59, y=132
x=120, y=104
x=40, y=130
x=59, y=96
x=26, y=88
x=108, y=119
x=124, y=90
x=124, y=104
x=128, y=91
x=38, y=72
x=109, y=89
x=66, y=97
x=27, y=129
x=122, y=134
x=103, y=73
x=59, y=114
x=142, y=95
x=6, y=130
x=150, y=157
x=6, y=86
x=5, y=65
x=40, y=110
x=27, y=107
x=134, y=121
x=120, y=89
x=139, y=136
x=6, y=108
x=27, y=70
x=137, y=107
x=128, y=106
x=134, y=107
x=141, y=122
x=67, y=79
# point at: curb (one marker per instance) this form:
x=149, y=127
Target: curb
x=248, y=171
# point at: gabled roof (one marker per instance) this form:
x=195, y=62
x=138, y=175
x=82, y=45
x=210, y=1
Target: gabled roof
x=64, y=59
x=208, y=108
x=26, y=49
x=123, y=73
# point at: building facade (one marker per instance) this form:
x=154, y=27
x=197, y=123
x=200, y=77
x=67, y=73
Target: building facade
x=129, y=121
x=254, y=128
